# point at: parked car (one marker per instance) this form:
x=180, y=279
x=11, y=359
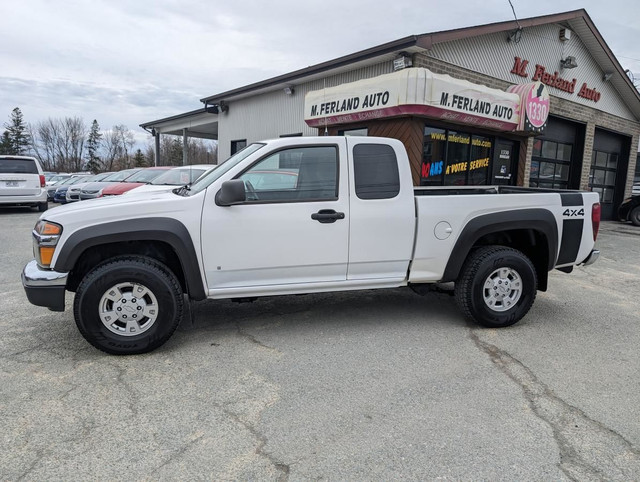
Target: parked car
x=22, y=182
x=93, y=190
x=57, y=178
x=73, y=192
x=60, y=194
x=138, y=179
x=51, y=188
x=629, y=210
x=71, y=179
x=353, y=221
x=272, y=179
x=178, y=176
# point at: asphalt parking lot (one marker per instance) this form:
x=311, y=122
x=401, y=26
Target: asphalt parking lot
x=373, y=385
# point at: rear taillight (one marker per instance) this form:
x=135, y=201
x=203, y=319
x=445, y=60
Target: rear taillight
x=595, y=219
x=43, y=181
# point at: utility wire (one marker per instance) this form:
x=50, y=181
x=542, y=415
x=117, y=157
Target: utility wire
x=515, y=16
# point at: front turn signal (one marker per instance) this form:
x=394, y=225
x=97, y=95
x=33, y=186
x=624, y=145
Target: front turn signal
x=46, y=255
x=46, y=228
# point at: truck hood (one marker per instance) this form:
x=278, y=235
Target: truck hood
x=96, y=211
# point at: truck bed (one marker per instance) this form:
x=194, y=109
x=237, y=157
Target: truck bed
x=454, y=190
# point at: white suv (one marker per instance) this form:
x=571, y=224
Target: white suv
x=22, y=182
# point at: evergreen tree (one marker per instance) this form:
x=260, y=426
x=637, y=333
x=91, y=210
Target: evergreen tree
x=139, y=159
x=18, y=133
x=5, y=144
x=93, y=146
x=174, y=156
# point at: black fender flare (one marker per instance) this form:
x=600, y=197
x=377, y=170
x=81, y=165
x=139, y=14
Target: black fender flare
x=168, y=230
x=541, y=220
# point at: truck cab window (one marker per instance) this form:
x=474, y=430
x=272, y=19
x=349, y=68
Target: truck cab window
x=298, y=174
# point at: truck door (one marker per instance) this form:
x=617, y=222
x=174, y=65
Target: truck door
x=382, y=209
x=293, y=227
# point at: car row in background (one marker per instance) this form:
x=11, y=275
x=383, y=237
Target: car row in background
x=116, y=183
x=178, y=176
x=140, y=178
x=65, y=181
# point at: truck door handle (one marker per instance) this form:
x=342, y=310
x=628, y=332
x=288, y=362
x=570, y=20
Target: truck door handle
x=327, y=216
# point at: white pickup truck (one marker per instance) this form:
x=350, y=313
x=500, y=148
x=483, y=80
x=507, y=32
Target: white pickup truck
x=302, y=215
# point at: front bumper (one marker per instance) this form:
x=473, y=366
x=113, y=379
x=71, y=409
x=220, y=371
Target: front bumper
x=592, y=258
x=44, y=287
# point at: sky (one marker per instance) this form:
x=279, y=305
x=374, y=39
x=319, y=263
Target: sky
x=129, y=62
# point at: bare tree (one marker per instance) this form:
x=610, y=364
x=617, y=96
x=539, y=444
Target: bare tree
x=200, y=151
x=59, y=143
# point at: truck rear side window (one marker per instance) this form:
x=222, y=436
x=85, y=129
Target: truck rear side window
x=375, y=168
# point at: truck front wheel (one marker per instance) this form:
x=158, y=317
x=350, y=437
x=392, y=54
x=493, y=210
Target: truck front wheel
x=128, y=305
x=497, y=286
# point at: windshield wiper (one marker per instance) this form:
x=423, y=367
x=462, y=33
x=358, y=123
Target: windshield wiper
x=183, y=190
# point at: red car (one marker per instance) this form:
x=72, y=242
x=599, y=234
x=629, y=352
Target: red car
x=145, y=176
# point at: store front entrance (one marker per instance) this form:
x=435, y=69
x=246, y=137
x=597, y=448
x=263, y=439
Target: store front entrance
x=453, y=157
x=556, y=162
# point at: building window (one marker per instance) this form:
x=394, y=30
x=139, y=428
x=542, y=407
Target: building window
x=238, y=145
x=297, y=134
x=602, y=178
x=361, y=131
x=550, y=164
x=315, y=177
x=375, y=169
x=454, y=158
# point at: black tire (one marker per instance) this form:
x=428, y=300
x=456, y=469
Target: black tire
x=634, y=216
x=42, y=207
x=479, y=270
x=163, y=292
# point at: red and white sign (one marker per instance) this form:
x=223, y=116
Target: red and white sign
x=415, y=91
x=534, y=106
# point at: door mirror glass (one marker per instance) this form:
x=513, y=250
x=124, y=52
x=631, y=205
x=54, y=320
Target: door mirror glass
x=232, y=192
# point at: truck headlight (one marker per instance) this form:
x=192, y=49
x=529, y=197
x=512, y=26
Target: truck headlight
x=45, y=238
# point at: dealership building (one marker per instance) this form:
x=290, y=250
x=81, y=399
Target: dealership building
x=538, y=102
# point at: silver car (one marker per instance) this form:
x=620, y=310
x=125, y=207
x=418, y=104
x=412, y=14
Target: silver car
x=73, y=193
x=93, y=190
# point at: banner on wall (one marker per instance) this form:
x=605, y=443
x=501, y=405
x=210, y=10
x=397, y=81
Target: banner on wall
x=534, y=106
x=416, y=91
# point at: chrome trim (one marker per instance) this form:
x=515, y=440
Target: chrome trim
x=592, y=258
x=34, y=275
x=45, y=239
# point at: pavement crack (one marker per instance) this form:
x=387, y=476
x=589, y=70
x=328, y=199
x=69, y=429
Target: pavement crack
x=588, y=449
x=177, y=454
x=245, y=334
x=281, y=467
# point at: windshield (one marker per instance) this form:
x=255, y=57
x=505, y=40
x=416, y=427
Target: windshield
x=121, y=176
x=146, y=175
x=213, y=175
x=178, y=176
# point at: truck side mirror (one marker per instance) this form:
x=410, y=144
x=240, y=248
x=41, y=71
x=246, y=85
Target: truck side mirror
x=232, y=192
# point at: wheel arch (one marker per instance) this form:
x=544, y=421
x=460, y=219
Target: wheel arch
x=532, y=231
x=164, y=239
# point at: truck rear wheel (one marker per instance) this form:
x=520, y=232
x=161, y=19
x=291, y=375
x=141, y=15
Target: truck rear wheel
x=128, y=305
x=496, y=287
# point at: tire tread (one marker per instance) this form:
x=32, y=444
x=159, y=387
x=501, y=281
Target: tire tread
x=464, y=284
x=150, y=263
